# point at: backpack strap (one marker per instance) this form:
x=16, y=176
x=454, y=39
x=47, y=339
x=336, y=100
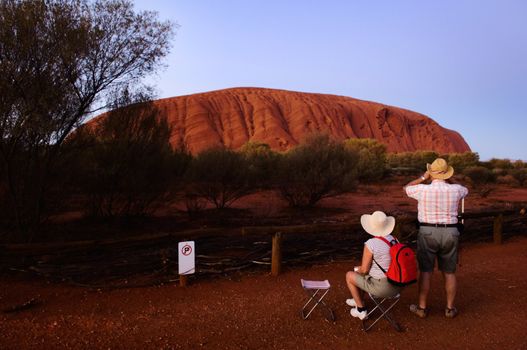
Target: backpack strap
x=383, y=270
x=389, y=245
x=386, y=241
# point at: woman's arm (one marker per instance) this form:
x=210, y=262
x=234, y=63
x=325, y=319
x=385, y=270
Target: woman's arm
x=367, y=259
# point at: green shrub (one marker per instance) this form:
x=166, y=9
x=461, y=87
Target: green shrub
x=518, y=164
x=220, y=176
x=520, y=175
x=372, y=158
x=479, y=175
x=316, y=169
x=127, y=164
x=461, y=161
x=410, y=162
x=507, y=180
x=261, y=161
x=496, y=163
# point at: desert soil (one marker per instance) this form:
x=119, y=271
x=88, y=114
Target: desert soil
x=258, y=311
x=254, y=310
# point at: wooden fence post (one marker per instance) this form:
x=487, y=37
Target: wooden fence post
x=276, y=254
x=498, y=229
x=183, y=280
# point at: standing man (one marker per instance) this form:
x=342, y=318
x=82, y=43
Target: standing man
x=437, y=211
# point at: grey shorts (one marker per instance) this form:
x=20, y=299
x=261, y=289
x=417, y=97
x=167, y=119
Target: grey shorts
x=378, y=287
x=440, y=242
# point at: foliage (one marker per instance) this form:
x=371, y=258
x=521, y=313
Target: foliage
x=496, y=163
x=479, y=175
x=314, y=170
x=519, y=164
x=129, y=165
x=460, y=161
x=58, y=61
x=372, y=158
x=520, y=174
x=221, y=176
x=262, y=161
x=414, y=162
x=507, y=180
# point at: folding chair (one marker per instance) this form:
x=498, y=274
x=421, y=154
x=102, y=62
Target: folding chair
x=383, y=306
x=316, y=291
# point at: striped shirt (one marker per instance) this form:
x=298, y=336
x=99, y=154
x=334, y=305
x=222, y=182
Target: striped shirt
x=381, y=254
x=438, y=202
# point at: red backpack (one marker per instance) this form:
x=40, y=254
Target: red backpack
x=403, y=267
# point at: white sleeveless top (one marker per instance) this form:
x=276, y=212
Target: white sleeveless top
x=381, y=254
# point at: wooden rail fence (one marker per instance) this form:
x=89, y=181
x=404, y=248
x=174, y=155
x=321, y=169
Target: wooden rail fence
x=144, y=254
x=277, y=232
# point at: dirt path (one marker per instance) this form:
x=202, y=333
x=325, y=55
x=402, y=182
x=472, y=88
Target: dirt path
x=258, y=311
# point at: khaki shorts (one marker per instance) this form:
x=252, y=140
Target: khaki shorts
x=379, y=287
x=440, y=242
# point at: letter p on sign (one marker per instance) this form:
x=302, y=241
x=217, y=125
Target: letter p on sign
x=186, y=258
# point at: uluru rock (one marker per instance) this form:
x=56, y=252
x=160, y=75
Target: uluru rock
x=282, y=119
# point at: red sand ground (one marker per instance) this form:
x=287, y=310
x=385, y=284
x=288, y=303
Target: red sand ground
x=258, y=311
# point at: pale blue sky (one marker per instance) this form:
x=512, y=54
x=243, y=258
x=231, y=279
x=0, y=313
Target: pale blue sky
x=462, y=63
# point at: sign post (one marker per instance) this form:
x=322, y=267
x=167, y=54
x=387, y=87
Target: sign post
x=186, y=261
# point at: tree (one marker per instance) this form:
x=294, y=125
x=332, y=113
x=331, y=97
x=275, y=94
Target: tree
x=520, y=174
x=461, y=161
x=59, y=59
x=372, y=158
x=316, y=169
x=220, y=176
x=262, y=161
x=410, y=162
x=479, y=175
x=127, y=164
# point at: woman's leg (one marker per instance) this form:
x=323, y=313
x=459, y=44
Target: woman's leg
x=356, y=292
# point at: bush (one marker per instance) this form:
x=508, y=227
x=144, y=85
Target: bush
x=372, y=158
x=507, y=180
x=520, y=175
x=220, y=176
x=314, y=170
x=411, y=162
x=461, y=161
x=479, y=175
x=129, y=165
x=261, y=162
x=495, y=163
x=518, y=164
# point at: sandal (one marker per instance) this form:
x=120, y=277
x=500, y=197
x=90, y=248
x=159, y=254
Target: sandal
x=451, y=313
x=419, y=311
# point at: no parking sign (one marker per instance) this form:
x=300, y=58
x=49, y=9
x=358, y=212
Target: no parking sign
x=186, y=258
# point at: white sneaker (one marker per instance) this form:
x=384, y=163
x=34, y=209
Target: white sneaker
x=351, y=302
x=361, y=315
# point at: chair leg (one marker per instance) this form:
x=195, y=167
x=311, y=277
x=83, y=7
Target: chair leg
x=385, y=313
x=317, y=301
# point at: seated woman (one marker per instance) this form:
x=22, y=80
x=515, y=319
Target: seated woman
x=369, y=277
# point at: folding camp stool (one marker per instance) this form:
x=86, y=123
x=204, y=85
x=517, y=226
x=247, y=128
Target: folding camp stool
x=316, y=291
x=382, y=309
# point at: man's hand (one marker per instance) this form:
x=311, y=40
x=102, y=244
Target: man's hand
x=421, y=179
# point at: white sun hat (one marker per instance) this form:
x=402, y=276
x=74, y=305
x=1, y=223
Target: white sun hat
x=377, y=224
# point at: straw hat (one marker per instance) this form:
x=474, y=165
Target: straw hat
x=377, y=224
x=439, y=169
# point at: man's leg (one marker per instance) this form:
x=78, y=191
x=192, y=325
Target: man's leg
x=425, y=279
x=450, y=288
